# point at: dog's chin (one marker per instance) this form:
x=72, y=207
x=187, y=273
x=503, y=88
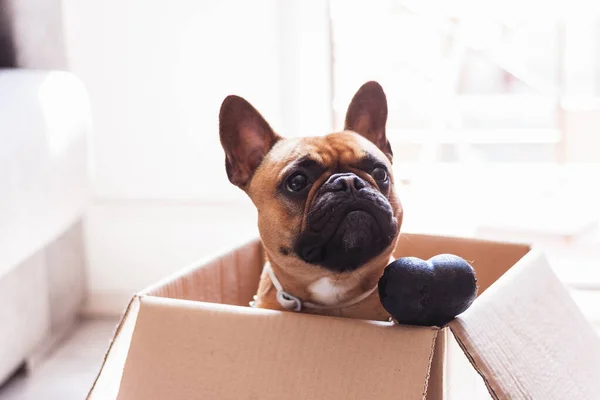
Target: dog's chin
x=356, y=230
x=359, y=237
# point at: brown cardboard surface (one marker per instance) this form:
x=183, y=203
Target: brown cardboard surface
x=523, y=334
x=528, y=339
x=192, y=350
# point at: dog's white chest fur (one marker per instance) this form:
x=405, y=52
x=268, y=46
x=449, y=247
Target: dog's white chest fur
x=326, y=291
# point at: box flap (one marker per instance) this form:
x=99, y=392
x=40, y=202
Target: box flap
x=191, y=350
x=527, y=338
x=106, y=385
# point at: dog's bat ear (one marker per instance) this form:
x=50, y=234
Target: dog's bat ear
x=367, y=115
x=246, y=138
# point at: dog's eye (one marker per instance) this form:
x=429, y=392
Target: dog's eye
x=380, y=174
x=297, y=182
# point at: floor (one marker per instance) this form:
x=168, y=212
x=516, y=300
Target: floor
x=67, y=372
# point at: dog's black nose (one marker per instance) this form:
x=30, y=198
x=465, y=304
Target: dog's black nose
x=344, y=182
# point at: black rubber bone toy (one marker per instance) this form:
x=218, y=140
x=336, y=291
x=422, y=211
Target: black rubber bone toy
x=428, y=293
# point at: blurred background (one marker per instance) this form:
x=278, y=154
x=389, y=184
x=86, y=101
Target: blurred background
x=112, y=176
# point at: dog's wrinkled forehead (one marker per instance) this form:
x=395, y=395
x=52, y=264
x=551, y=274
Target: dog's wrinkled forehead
x=333, y=150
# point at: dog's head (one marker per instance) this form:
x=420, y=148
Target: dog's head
x=323, y=202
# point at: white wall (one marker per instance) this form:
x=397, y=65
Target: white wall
x=157, y=72
x=131, y=245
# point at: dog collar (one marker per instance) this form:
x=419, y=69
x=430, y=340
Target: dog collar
x=293, y=303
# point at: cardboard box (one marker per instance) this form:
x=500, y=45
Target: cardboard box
x=193, y=336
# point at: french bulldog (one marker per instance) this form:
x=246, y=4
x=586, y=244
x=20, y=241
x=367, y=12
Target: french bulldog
x=328, y=215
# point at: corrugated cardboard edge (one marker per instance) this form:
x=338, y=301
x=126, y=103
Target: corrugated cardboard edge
x=130, y=312
x=499, y=362
x=475, y=365
x=429, y=365
x=436, y=377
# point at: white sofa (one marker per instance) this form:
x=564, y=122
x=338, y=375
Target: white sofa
x=44, y=129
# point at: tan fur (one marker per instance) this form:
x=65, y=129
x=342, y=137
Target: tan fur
x=279, y=223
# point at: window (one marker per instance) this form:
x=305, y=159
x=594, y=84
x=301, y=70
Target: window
x=489, y=88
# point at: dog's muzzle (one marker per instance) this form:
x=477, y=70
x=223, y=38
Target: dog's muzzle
x=349, y=222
